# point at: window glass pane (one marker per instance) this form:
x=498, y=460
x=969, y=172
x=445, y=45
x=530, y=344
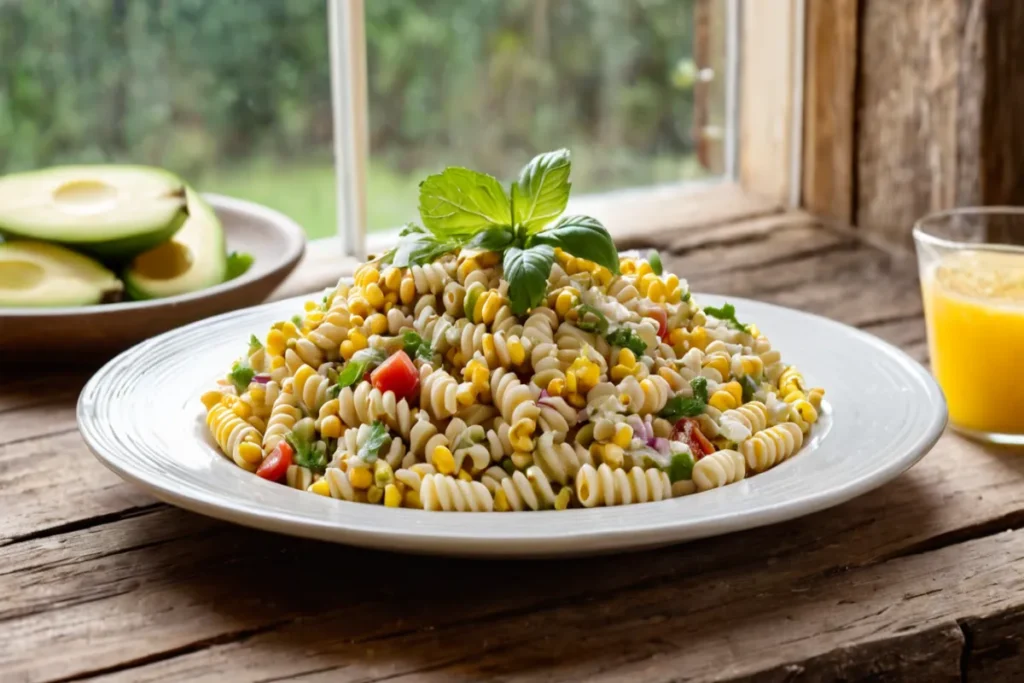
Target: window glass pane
x=489, y=83
x=234, y=95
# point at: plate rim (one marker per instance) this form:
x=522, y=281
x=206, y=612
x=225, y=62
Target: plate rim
x=599, y=539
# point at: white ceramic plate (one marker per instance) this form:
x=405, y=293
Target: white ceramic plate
x=142, y=418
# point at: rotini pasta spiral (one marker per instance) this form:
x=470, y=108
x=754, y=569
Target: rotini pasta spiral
x=718, y=469
x=440, y=492
x=607, y=486
x=768, y=448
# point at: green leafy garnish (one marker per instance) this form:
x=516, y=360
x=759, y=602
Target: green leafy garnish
x=542, y=191
x=686, y=297
x=687, y=406
x=680, y=467
x=727, y=314
x=749, y=386
x=238, y=263
x=626, y=338
x=241, y=374
x=254, y=344
x=356, y=368
x=416, y=346
x=461, y=208
x=581, y=236
x=527, y=273
x=377, y=437
x=599, y=324
x=459, y=201
x=307, y=452
x=655, y=260
x=418, y=247
x=494, y=238
x=297, y=320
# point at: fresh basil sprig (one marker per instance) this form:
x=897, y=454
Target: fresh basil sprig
x=727, y=314
x=416, y=346
x=377, y=437
x=460, y=207
x=356, y=368
x=626, y=338
x=241, y=374
x=687, y=406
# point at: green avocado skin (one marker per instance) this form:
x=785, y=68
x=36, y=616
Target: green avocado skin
x=124, y=249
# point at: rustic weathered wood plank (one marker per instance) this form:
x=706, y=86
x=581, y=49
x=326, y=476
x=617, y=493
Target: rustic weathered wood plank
x=830, y=80
x=54, y=482
x=898, y=618
x=169, y=581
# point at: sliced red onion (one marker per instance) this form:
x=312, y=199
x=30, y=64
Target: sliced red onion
x=261, y=378
x=582, y=415
x=544, y=394
x=662, y=445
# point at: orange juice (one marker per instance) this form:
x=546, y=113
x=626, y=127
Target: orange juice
x=974, y=306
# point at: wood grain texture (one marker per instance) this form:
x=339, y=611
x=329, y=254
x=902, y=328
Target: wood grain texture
x=766, y=91
x=908, y=583
x=830, y=79
x=940, y=86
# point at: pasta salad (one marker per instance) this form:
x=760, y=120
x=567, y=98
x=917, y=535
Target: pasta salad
x=504, y=358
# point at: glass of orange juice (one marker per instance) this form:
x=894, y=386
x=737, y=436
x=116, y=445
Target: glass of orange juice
x=972, y=279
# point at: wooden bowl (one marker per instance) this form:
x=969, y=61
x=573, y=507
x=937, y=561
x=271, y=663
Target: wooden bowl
x=66, y=335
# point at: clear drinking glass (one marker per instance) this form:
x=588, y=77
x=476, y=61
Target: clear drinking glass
x=971, y=263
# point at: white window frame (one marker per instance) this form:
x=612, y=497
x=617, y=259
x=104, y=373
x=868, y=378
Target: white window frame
x=760, y=159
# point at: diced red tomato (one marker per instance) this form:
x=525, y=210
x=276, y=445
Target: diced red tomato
x=688, y=431
x=396, y=374
x=662, y=318
x=276, y=465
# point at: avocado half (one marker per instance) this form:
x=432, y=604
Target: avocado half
x=193, y=259
x=113, y=212
x=37, y=274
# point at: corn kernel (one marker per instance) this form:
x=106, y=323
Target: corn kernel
x=392, y=496
x=242, y=410
x=390, y=298
x=275, y=342
x=211, y=398
x=250, y=452
x=627, y=358
x=577, y=400
x=367, y=276
x=519, y=436
x=277, y=362
x=378, y=323
x=392, y=279
x=290, y=330
x=465, y=476
x=407, y=291
x=467, y=267
x=374, y=295
x=556, y=386
x=564, y=302
x=613, y=455
x=487, y=344
x=466, y=394
x=412, y=499
x=570, y=382
x=623, y=436
x=358, y=339
x=347, y=349
x=620, y=372
x=374, y=494
x=356, y=321
x=443, y=460
x=330, y=427
x=360, y=477
x=320, y=487
x=516, y=352
x=657, y=292
x=563, y=498
x=501, y=501
x=480, y=377
x=382, y=473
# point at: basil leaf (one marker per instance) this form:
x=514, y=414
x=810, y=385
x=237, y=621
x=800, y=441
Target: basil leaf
x=542, y=191
x=377, y=437
x=241, y=374
x=687, y=406
x=417, y=249
x=749, y=386
x=527, y=272
x=700, y=388
x=583, y=237
x=238, y=263
x=308, y=454
x=494, y=238
x=254, y=344
x=680, y=467
x=626, y=338
x=654, y=258
x=358, y=366
x=459, y=202
x=727, y=314
x=416, y=346
x=600, y=325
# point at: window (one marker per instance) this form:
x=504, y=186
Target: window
x=243, y=98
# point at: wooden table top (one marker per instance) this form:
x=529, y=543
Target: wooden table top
x=920, y=580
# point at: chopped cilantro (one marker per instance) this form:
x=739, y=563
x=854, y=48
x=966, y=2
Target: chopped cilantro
x=241, y=374
x=687, y=406
x=377, y=437
x=727, y=314
x=626, y=338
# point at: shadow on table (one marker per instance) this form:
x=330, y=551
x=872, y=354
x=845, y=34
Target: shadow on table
x=286, y=605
